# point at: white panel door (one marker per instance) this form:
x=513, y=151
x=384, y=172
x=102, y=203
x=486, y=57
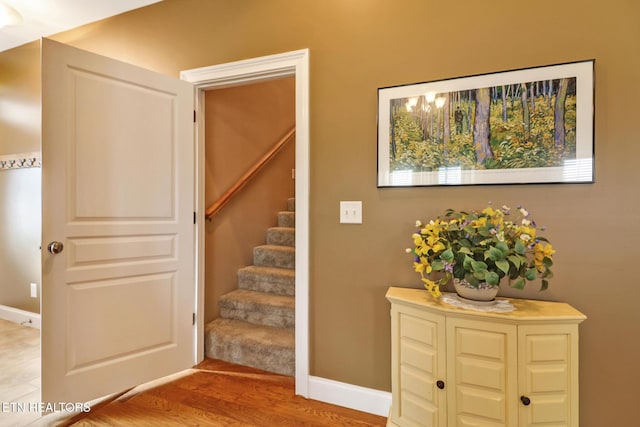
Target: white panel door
x=118, y=193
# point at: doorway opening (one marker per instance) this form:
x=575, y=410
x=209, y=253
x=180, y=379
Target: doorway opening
x=289, y=64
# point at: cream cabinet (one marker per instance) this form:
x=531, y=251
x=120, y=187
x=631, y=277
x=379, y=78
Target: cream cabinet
x=458, y=368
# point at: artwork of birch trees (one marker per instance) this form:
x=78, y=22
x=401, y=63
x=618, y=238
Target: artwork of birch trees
x=524, y=125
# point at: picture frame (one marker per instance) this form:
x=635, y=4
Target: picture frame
x=525, y=126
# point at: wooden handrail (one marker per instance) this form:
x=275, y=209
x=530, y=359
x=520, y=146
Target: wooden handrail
x=242, y=181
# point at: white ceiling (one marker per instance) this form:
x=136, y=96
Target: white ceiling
x=43, y=18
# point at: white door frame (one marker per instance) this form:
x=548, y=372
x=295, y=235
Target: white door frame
x=296, y=64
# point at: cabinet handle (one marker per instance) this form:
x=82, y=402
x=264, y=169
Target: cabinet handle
x=440, y=384
x=525, y=400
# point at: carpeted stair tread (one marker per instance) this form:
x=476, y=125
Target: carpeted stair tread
x=259, y=308
x=291, y=204
x=281, y=281
x=274, y=256
x=283, y=236
x=262, y=347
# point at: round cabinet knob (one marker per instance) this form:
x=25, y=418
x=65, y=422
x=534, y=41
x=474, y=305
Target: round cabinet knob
x=440, y=384
x=525, y=400
x=55, y=247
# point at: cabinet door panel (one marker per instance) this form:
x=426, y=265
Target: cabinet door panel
x=546, y=378
x=481, y=373
x=480, y=343
x=549, y=410
x=417, y=355
x=481, y=403
x=416, y=381
x=479, y=354
x=418, y=329
x=420, y=363
x=417, y=412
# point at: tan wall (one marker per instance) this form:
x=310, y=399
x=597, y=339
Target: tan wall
x=242, y=123
x=20, y=188
x=20, y=238
x=20, y=99
x=358, y=46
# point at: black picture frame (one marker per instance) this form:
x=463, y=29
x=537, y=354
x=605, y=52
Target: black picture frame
x=475, y=130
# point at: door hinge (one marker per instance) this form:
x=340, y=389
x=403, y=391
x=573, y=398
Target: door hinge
x=194, y=217
x=194, y=319
x=194, y=116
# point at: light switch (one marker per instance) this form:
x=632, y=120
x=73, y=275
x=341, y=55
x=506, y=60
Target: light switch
x=351, y=212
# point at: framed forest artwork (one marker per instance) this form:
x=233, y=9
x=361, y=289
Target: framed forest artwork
x=531, y=125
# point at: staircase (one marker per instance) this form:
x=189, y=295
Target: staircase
x=257, y=320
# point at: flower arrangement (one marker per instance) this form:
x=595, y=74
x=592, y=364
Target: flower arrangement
x=482, y=247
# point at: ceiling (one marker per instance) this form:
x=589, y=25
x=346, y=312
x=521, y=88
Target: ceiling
x=43, y=18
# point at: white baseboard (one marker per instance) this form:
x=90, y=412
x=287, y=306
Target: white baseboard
x=350, y=396
x=21, y=317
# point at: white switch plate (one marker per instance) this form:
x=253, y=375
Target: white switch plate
x=351, y=212
x=34, y=290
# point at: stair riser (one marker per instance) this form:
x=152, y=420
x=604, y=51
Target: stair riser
x=274, y=257
x=279, y=317
x=270, y=349
x=291, y=204
x=280, y=361
x=279, y=285
x=286, y=219
x=281, y=236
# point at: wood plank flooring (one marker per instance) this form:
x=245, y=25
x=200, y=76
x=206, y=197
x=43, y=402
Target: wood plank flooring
x=217, y=393
x=19, y=370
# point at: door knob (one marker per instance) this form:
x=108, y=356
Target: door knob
x=55, y=247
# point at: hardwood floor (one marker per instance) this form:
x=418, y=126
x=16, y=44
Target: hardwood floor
x=19, y=371
x=214, y=393
x=217, y=393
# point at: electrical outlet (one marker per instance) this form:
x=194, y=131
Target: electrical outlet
x=351, y=212
x=34, y=290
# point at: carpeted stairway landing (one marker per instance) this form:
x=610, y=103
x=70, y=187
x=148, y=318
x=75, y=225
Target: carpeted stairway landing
x=256, y=323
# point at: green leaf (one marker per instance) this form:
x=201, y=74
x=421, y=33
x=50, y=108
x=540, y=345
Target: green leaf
x=437, y=265
x=518, y=284
x=447, y=255
x=548, y=274
x=503, y=265
x=504, y=248
x=478, y=266
x=492, y=278
x=480, y=274
x=531, y=274
x=484, y=231
x=465, y=243
x=519, y=247
x=465, y=250
x=515, y=260
x=495, y=254
x=467, y=263
x=545, y=285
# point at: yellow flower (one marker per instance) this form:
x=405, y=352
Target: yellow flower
x=529, y=231
x=540, y=252
x=432, y=287
x=439, y=246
